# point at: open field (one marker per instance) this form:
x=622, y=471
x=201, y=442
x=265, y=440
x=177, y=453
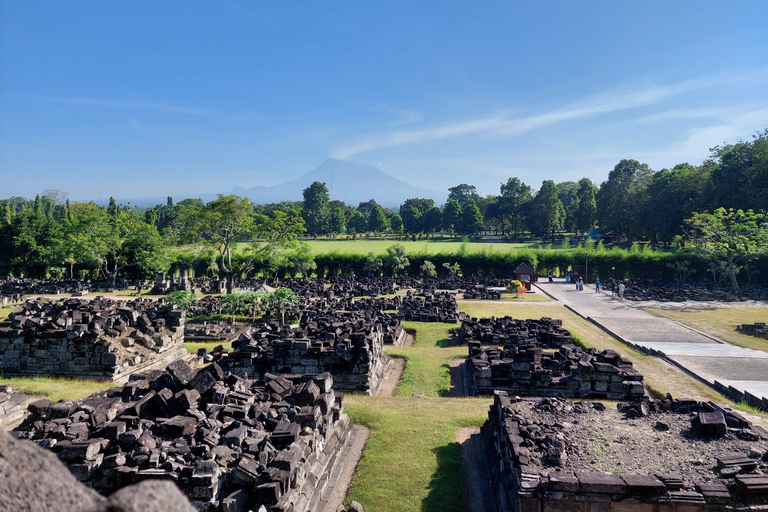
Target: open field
x=720, y=322
x=421, y=246
x=56, y=388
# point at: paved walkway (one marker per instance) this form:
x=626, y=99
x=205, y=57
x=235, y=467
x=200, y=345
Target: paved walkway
x=724, y=366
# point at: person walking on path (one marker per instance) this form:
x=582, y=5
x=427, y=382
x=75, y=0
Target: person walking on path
x=580, y=285
x=597, y=285
x=621, y=291
x=550, y=277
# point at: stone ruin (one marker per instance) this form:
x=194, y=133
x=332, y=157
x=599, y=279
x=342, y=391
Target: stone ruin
x=438, y=308
x=569, y=371
x=230, y=443
x=482, y=293
x=99, y=338
x=348, y=345
x=13, y=407
x=674, y=291
x=529, y=451
x=758, y=330
x=546, y=332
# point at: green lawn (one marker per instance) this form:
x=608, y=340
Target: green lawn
x=56, y=388
x=422, y=246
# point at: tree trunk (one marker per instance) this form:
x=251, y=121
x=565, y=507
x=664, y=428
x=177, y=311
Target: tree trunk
x=732, y=272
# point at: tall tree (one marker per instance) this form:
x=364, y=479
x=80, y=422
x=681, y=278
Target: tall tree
x=546, y=209
x=464, y=194
x=729, y=233
x=357, y=223
x=396, y=223
x=586, y=205
x=674, y=195
x=377, y=221
x=452, y=216
x=514, y=196
x=740, y=179
x=621, y=199
x=220, y=224
x=412, y=210
x=471, y=220
x=316, y=209
x=337, y=223
x=432, y=222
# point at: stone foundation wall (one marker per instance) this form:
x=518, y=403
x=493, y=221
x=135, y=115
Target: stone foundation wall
x=546, y=332
x=518, y=486
x=352, y=350
x=100, y=338
x=529, y=370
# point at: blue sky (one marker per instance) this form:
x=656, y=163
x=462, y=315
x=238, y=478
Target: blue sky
x=140, y=98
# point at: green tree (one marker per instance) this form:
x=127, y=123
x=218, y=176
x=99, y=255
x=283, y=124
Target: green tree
x=338, y=221
x=396, y=223
x=397, y=260
x=674, y=195
x=372, y=265
x=316, y=210
x=740, y=177
x=621, y=199
x=546, y=209
x=728, y=233
x=428, y=269
x=412, y=211
x=586, y=205
x=377, y=221
x=274, y=241
x=282, y=300
x=220, y=224
x=357, y=223
x=515, y=195
x=432, y=222
x=463, y=194
x=471, y=220
x=452, y=216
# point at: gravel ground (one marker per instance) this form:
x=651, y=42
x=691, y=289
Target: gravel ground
x=607, y=441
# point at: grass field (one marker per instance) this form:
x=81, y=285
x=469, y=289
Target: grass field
x=56, y=388
x=720, y=322
x=422, y=246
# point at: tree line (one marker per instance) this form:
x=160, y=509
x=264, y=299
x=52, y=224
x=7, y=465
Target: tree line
x=51, y=236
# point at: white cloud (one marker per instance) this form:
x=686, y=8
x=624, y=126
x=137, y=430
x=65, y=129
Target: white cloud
x=502, y=124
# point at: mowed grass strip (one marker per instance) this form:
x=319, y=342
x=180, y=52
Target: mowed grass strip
x=721, y=322
x=412, y=461
x=419, y=246
x=56, y=389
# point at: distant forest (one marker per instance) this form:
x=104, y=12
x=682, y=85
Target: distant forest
x=50, y=236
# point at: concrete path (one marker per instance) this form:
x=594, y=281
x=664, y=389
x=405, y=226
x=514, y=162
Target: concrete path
x=730, y=369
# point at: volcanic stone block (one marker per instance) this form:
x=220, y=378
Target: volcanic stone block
x=643, y=485
x=179, y=426
x=710, y=424
x=563, y=482
x=602, y=483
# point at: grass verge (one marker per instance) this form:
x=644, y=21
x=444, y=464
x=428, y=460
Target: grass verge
x=412, y=461
x=56, y=389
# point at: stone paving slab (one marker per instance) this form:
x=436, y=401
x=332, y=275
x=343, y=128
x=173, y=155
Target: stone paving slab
x=651, y=329
x=708, y=358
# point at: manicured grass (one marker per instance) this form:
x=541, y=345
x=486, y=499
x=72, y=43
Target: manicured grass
x=193, y=346
x=56, y=388
x=422, y=246
x=412, y=461
x=721, y=322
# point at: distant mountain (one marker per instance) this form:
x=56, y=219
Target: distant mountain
x=347, y=181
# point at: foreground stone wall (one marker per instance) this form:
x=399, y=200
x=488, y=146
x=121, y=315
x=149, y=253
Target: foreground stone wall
x=518, y=485
x=228, y=442
x=99, y=338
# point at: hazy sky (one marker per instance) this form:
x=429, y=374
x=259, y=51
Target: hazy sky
x=155, y=98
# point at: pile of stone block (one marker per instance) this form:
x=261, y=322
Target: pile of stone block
x=758, y=330
x=440, y=308
x=230, y=443
x=99, y=338
x=512, y=441
x=569, y=371
x=348, y=345
x=13, y=407
x=546, y=332
x=482, y=293
x=673, y=291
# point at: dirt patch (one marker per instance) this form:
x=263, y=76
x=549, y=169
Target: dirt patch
x=607, y=441
x=410, y=339
x=457, y=388
x=473, y=465
x=392, y=376
x=354, y=452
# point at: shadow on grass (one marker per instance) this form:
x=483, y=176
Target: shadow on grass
x=446, y=492
x=451, y=341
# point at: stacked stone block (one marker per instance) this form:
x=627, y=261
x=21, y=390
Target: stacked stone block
x=229, y=443
x=100, y=338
